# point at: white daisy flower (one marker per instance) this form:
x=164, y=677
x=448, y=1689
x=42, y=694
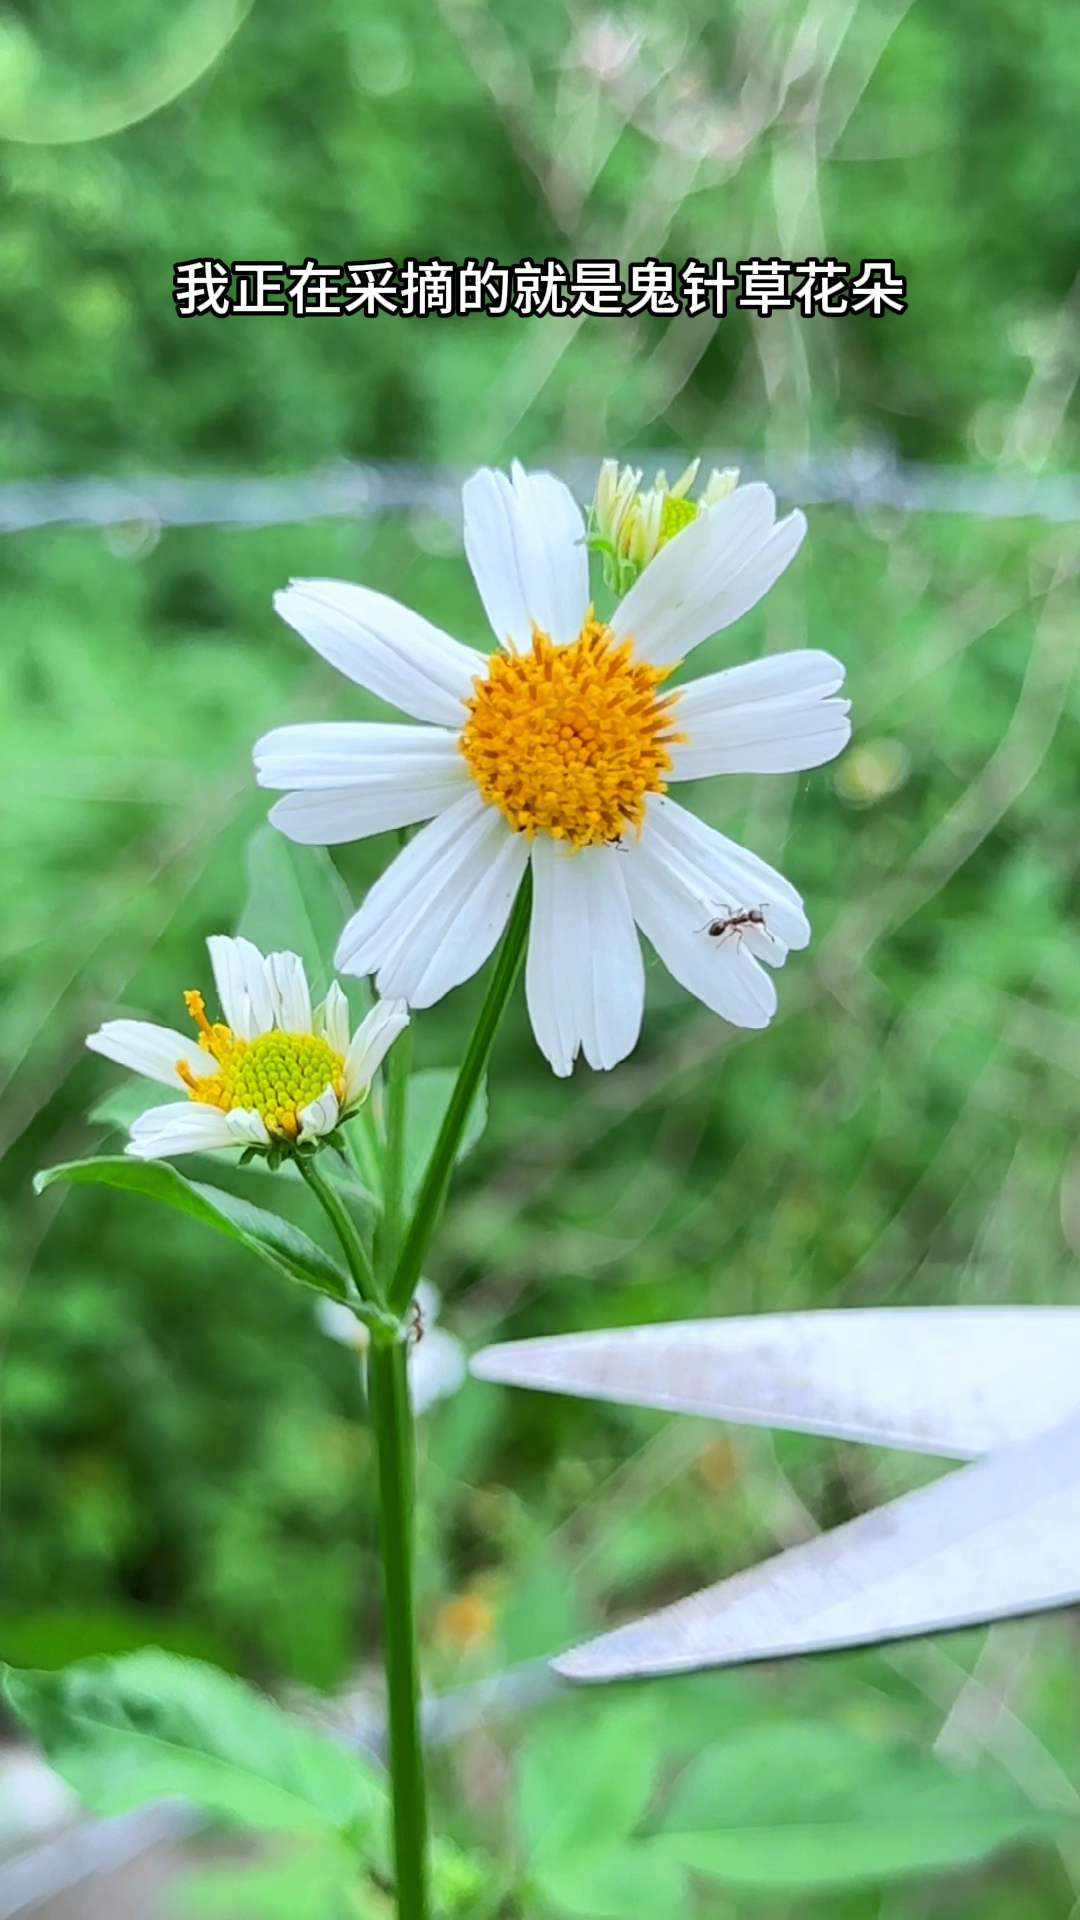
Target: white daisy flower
x=276, y=1074
x=558, y=749
x=436, y=1366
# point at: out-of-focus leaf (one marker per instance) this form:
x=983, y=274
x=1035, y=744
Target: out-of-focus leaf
x=276, y=1241
x=297, y=899
x=609, y=1757
x=804, y=1805
x=426, y=1103
x=624, y=1880
x=150, y=1726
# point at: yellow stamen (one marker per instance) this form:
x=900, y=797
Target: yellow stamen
x=569, y=740
x=275, y=1075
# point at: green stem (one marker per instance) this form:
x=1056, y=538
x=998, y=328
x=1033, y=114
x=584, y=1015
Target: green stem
x=392, y=1424
x=344, y=1226
x=441, y=1164
x=392, y=1421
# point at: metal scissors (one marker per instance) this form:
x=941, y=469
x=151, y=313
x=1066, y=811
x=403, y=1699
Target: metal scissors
x=998, y=1387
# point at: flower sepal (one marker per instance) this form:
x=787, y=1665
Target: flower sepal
x=278, y=1151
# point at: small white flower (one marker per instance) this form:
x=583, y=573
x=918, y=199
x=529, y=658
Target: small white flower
x=275, y=1073
x=436, y=1361
x=558, y=748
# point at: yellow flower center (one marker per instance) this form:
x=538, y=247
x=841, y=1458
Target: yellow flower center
x=569, y=740
x=275, y=1075
x=674, y=516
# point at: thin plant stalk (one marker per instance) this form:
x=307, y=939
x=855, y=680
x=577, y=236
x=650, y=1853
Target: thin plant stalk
x=392, y=1422
x=439, y=1168
x=388, y=1391
x=356, y=1254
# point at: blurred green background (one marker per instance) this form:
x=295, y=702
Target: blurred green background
x=184, y=1457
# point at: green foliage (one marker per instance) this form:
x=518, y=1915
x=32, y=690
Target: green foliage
x=149, y=1726
x=296, y=899
x=808, y=1805
x=425, y=1107
x=581, y=1793
x=273, y=1240
x=788, y=1805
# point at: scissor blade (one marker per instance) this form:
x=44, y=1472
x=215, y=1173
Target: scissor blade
x=999, y=1538
x=956, y=1381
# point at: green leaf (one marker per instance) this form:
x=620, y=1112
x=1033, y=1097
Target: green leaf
x=806, y=1805
x=148, y=1726
x=426, y=1102
x=611, y=1759
x=297, y=899
x=625, y=1880
x=276, y=1241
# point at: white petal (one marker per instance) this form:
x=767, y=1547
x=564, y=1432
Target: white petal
x=524, y=538
x=320, y=1116
x=584, y=977
x=438, y=910
x=680, y=875
x=770, y=716
x=709, y=859
x=370, y=1045
x=429, y=1300
x=246, y=1127
x=436, y=1368
x=332, y=1020
x=353, y=753
x=292, y=995
x=710, y=574
x=383, y=646
x=243, y=988
x=339, y=1322
x=151, y=1051
x=184, y=1127
x=354, y=780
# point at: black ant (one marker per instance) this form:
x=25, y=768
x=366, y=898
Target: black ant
x=416, y=1324
x=736, y=920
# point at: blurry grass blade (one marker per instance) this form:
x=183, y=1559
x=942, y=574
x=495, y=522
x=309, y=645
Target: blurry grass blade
x=150, y=1726
x=276, y=1241
x=992, y=1540
x=810, y=1805
x=957, y=1381
x=296, y=899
